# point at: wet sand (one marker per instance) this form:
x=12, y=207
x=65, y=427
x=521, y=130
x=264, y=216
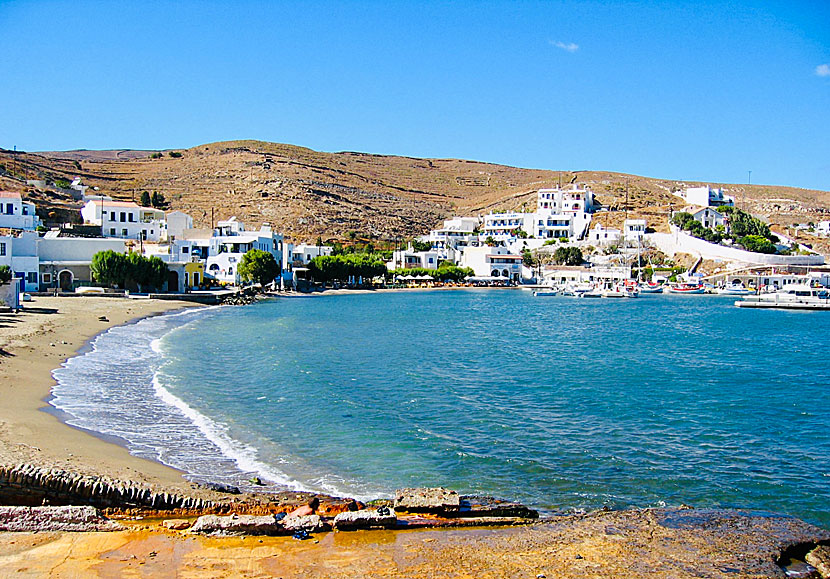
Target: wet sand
x=32, y=344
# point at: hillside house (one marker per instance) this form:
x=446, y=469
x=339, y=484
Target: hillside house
x=16, y=213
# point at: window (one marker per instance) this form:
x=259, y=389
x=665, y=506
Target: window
x=2, y=249
x=31, y=277
x=123, y=217
x=46, y=278
x=9, y=209
x=185, y=249
x=230, y=271
x=124, y=232
x=112, y=230
x=112, y=216
x=132, y=217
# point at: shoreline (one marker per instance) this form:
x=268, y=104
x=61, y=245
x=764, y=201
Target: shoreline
x=35, y=342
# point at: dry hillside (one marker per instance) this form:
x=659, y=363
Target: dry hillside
x=306, y=193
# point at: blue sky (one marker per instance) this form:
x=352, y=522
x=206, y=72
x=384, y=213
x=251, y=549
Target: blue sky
x=679, y=90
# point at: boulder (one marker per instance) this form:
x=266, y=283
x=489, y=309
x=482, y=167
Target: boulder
x=820, y=559
x=383, y=518
x=79, y=519
x=479, y=506
x=237, y=525
x=427, y=500
x=176, y=524
x=307, y=523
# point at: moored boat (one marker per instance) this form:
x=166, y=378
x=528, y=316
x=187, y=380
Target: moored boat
x=686, y=288
x=795, y=296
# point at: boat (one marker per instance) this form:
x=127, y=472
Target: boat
x=736, y=289
x=541, y=293
x=650, y=288
x=577, y=289
x=686, y=288
x=795, y=297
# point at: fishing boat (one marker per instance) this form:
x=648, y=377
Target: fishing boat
x=650, y=288
x=686, y=288
x=795, y=297
x=545, y=292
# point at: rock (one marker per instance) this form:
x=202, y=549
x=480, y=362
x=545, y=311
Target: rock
x=55, y=519
x=475, y=506
x=820, y=559
x=383, y=518
x=176, y=524
x=307, y=523
x=237, y=525
x=429, y=500
x=222, y=488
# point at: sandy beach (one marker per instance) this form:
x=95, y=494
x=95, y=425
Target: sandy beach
x=34, y=342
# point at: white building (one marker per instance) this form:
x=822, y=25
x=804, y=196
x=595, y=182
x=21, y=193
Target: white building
x=409, y=259
x=494, y=262
x=823, y=228
x=177, y=223
x=560, y=213
x=125, y=219
x=634, y=229
x=571, y=274
x=65, y=261
x=601, y=236
x=230, y=242
x=16, y=213
x=19, y=252
x=706, y=216
x=705, y=196
x=456, y=232
x=302, y=254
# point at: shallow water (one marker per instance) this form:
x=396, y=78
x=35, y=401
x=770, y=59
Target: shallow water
x=557, y=402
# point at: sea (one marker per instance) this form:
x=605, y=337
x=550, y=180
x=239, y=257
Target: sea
x=564, y=404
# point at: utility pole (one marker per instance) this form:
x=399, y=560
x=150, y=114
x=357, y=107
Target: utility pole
x=748, y=184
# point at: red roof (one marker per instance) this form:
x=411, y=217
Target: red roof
x=9, y=195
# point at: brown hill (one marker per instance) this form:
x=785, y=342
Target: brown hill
x=306, y=193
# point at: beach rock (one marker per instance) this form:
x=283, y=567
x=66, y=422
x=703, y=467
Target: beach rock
x=384, y=518
x=222, y=488
x=820, y=559
x=75, y=519
x=176, y=524
x=237, y=525
x=476, y=506
x=307, y=523
x=427, y=500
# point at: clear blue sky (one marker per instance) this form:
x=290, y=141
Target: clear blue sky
x=679, y=90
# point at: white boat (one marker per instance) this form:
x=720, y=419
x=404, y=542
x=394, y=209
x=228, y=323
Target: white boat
x=736, y=289
x=577, y=289
x=548, y=292
x=795, y=296
x=650, y=288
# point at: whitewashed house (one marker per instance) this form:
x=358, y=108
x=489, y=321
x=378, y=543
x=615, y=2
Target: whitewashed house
x=409, y=259
x=705, y=196
x=453, y=234
x=125, y=219
x=823, y=228
x=177, y=223
x=65, y=261
x=602, y=236
x=19, y=252
x=634, y=229
x=303, y=253
x=16, y=213
x=708, y=217
x=230, y=242
x=495, y=262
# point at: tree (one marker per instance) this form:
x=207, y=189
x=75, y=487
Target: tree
x=490, y=241
x=521, y=233
x=421, y=245
x=175, y=154
x=5, y=274
x=258, y=266
x=109, y=267
x=145, y=199
x=528, y=259
x=757, y=244
x=568, y=256
x=158, y=200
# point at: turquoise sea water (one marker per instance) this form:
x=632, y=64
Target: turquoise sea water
x=557, y=402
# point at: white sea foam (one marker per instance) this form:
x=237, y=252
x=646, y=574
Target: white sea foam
x=243, y=455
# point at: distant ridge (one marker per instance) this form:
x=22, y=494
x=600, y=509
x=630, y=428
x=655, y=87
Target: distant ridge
x=306, y=193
